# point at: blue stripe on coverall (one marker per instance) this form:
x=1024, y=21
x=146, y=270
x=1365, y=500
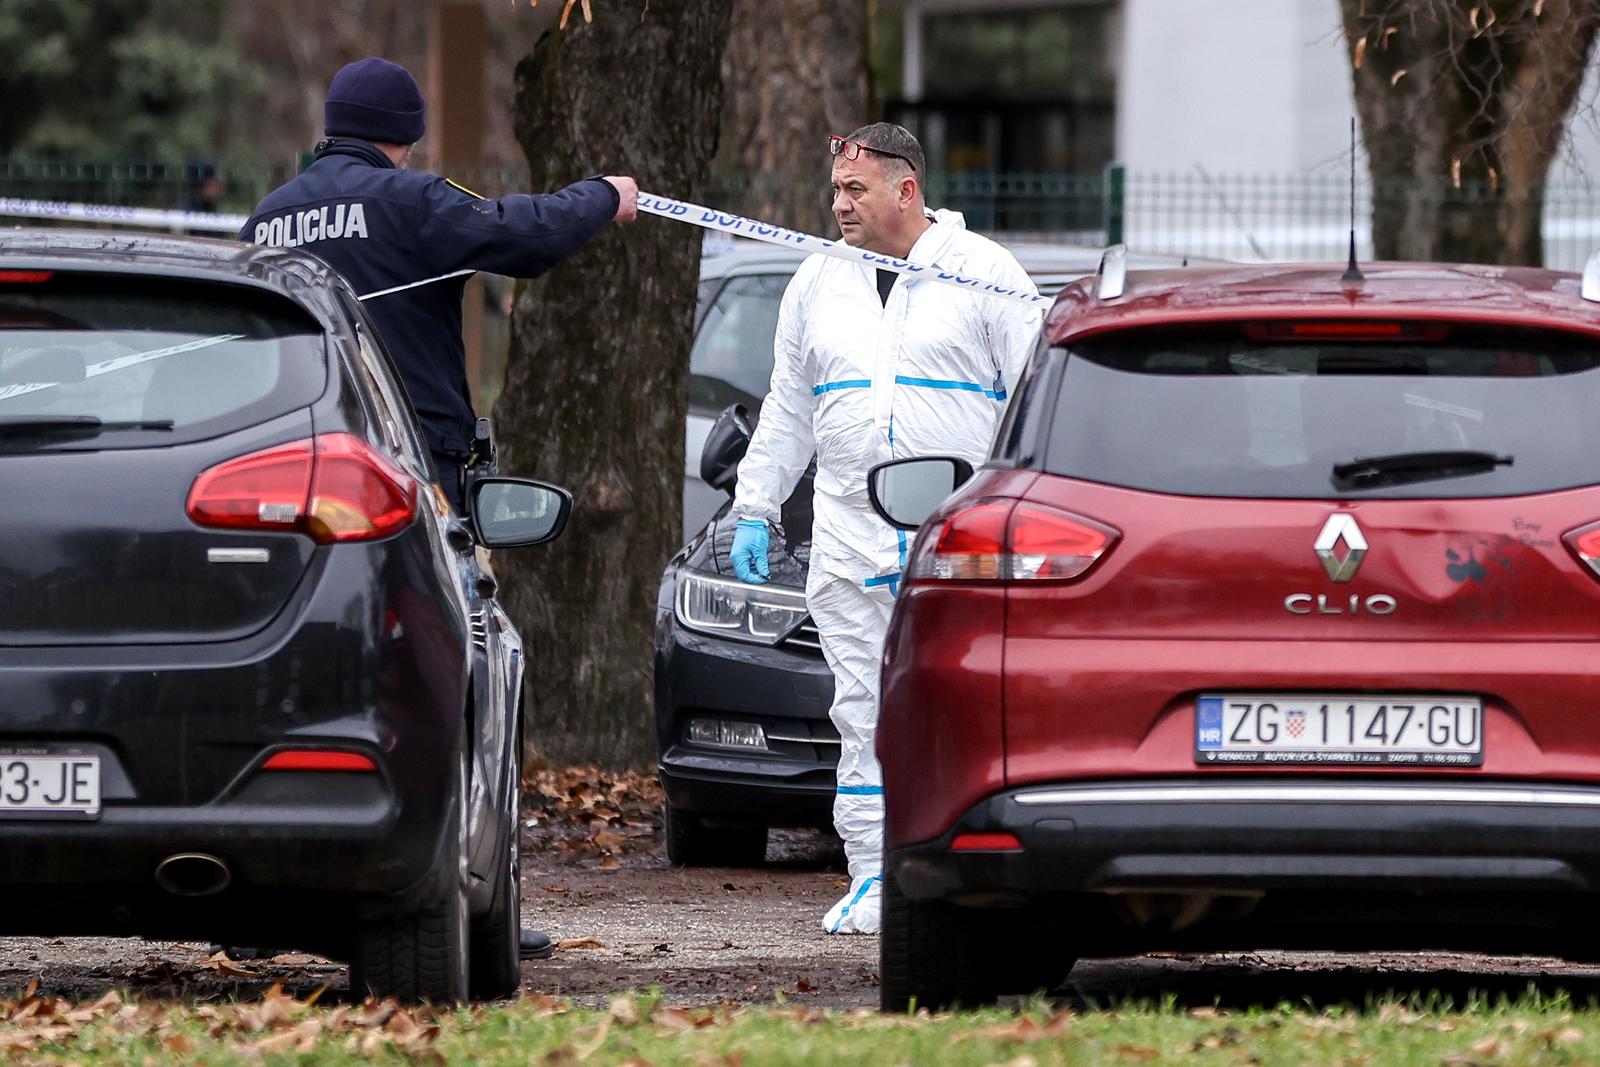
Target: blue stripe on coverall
x=848, y=383
x=946, y=383
x=890, y=580
x=845, y=914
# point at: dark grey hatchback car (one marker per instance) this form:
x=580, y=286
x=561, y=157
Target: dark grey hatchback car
x=254, y=686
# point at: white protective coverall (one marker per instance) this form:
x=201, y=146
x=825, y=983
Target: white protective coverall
x=857, y=383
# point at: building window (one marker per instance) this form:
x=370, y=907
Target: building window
x=1009, y=86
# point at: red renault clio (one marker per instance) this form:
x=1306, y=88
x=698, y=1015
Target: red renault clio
x=1273, y=621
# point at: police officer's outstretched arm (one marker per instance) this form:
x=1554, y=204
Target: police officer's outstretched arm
x=519, y=235
x=783, y=443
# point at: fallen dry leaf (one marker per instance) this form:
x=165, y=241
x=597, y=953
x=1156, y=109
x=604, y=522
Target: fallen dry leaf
x=624, y=1011
x=572, y=807
x=1491, y=1048
x=542, y=1005
x=1024, y=1029
x=581, y=942
x=673, y=1020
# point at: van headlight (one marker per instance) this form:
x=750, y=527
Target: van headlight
x=738, y=610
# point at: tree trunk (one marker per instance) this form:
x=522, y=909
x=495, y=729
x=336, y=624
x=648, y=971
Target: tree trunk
x=1463, y=105
x=795, y=72
x=596, y=388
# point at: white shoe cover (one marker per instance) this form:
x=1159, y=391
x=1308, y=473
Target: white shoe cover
x=859, y=911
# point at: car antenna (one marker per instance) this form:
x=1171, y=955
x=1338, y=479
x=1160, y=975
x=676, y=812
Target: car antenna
x=1352, y=273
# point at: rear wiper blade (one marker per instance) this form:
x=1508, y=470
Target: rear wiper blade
x=73, y=425
x=1404, y=467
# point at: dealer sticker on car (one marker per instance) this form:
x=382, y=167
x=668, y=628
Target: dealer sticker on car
x=1322, y=728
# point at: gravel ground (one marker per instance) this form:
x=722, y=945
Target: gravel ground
x=705, y=936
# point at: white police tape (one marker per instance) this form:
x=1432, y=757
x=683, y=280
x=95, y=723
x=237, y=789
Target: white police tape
x=128, y=216
x=413, y=285
x=739, y=226
x=650, y=203
x=94, y=370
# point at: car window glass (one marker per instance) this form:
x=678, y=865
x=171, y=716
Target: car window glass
x=1212, y=415
x=209, y=359
x=393, y=408
x=396, y=420
x=731, y=361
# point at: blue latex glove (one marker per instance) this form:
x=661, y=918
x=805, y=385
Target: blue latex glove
x=749, y=555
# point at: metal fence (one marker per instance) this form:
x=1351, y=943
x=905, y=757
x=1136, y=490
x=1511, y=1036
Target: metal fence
x=1195, y=213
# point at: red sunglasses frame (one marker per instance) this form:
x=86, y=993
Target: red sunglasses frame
x=839, y=145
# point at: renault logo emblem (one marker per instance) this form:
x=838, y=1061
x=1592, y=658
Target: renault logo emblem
x=1341, y=526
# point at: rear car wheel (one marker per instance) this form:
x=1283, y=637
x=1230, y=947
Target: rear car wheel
x=934, y=955
x=692, y=843
x=496, y=964
x=422, y=955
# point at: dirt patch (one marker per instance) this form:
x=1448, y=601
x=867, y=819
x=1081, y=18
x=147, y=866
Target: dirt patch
x=700, y=935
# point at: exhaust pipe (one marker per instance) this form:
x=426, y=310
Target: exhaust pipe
x=192, y=874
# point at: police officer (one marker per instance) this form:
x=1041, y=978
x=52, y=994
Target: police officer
x=386, y=228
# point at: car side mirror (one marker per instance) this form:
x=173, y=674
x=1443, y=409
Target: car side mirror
x=904, y=492
x=725, y=446
x=512, y=512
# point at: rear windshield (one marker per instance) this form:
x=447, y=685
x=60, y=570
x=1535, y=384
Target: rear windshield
x=157, y=361
x=1241, y=412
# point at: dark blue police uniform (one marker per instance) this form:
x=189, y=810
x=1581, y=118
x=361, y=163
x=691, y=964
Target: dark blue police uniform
x=383, y=227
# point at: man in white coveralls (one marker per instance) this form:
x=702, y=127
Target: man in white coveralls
x=870, y=366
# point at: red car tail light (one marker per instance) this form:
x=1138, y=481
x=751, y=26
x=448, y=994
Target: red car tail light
x=318, y=759
x=986, y=843
x=1584, y=542
x=1046, y=543
x=1346, y=330
x=333, y=487
x=262, y=491
x=968, y=546
x=25, y=277
x=1002, y=540
x=357, y=494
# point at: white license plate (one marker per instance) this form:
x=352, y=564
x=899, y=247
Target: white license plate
x=1289, y=728
x=49, y=785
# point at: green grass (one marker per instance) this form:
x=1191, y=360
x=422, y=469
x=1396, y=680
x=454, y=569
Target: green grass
x=637, y=1029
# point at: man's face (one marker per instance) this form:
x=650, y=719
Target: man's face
x=866, y=201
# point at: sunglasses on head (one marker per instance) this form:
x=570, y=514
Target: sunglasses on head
x=839, y=146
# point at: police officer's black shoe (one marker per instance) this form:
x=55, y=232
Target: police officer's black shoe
x=240, y=953
x=535, y=944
